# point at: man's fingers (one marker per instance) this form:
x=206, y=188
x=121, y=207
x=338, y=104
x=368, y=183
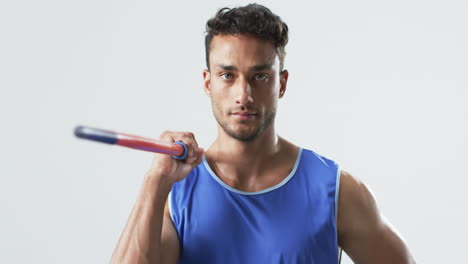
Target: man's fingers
x=192, y=156
x=197, y=159
x=188, y=138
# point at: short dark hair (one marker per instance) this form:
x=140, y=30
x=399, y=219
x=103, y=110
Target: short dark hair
x=252, y=19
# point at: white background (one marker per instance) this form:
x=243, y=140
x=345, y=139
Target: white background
x=378, y=86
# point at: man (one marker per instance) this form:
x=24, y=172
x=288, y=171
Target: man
x=252, y=197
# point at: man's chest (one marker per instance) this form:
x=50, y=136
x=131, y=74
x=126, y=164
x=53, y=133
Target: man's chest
x=289, y=226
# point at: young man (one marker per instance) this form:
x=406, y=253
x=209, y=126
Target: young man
x=252, y=197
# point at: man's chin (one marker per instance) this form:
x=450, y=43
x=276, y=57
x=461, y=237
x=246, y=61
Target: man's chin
x=244, y=135
x=242, y=130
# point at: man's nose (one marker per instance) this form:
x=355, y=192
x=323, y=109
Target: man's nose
x=244, y=92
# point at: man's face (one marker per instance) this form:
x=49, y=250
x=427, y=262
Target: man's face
x=244, y=84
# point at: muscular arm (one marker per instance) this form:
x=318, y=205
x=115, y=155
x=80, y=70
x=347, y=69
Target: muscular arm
x=363, y=233
x=149, y=230
x=149, y=235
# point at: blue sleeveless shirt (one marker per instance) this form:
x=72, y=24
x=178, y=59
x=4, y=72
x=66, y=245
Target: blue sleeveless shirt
x=291, y=222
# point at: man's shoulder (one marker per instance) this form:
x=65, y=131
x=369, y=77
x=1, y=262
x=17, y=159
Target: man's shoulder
x=310, y=155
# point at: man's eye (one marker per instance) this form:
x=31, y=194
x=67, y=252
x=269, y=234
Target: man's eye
x=227, y=75
x=261, y=77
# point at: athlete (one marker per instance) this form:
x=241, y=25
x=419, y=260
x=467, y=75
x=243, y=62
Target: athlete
x=252, y=196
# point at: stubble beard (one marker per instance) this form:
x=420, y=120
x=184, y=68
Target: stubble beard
x=244, y=135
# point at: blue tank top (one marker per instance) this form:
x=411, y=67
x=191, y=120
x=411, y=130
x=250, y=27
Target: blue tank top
x=291, y=222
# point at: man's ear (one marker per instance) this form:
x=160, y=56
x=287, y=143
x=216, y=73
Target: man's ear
x=207, y=82
x=283, y=82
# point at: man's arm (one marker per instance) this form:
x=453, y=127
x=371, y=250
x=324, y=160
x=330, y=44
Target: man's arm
x=149, y=235
x=363, y=232
x=141, y=240
x=170, y=243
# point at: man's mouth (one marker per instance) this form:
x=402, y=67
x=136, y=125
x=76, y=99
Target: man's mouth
x=244, y=115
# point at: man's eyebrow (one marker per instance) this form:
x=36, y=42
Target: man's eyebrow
x=261, y=67
x=226, y=67
x=256, y=68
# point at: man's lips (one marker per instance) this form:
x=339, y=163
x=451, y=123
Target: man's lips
x=244, y=115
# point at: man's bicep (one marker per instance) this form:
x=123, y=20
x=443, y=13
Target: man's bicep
x=363, y=232
x=170, y=245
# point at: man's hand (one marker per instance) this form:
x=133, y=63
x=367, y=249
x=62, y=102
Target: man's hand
x=170, y=170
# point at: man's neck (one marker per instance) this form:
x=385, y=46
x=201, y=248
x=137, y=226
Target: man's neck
x=247, y=163
x=226, y=149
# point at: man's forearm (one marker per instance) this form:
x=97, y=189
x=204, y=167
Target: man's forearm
x=141, y=239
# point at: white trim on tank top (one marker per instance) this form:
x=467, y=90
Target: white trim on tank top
x=283, y=182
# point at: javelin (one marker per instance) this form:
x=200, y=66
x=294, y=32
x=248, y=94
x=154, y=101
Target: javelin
x=178, y=150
